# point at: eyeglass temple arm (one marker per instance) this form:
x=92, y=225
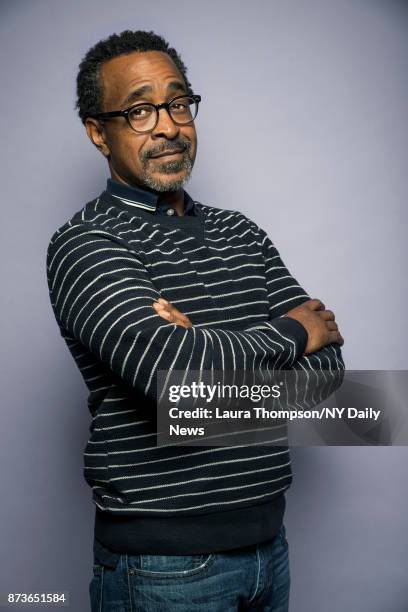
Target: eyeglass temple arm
x=110, y=114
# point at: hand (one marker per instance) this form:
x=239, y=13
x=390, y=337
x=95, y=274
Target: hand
x=169, y=312
x=319, y=324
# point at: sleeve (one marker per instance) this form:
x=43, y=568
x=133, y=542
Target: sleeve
x=285, y=293
x=101, y=293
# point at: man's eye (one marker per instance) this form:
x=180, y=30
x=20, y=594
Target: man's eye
x=141, y=112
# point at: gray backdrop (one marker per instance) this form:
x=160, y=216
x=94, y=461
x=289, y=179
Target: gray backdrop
x=322, y=166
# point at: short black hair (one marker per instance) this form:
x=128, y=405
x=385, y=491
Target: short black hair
x=89, y=93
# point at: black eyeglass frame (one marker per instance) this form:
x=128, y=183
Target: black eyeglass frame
x=125, y=112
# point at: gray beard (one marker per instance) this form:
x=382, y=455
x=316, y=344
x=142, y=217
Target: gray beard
x=168, y=167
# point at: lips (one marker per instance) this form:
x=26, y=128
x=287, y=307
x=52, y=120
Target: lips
x=169, y=152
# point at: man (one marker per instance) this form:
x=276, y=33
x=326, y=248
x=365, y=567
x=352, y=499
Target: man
x=145, y=278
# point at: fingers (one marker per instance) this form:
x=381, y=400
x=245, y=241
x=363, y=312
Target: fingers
x=170, y=313
x=315, y=304
x=335, y=336
x=162, y=305
x=327, y=315
x=166, y=307
x=332, y=325
x=163, y=310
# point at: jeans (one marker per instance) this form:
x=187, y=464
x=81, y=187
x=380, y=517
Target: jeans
x=252, y=578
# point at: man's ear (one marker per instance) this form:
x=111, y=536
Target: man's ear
x=96, y=135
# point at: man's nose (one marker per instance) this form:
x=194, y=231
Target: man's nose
x=165, y=125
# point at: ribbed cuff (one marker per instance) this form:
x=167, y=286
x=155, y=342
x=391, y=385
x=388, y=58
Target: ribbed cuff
x=291, y=329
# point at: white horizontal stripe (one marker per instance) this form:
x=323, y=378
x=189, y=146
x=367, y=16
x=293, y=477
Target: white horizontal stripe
x=135, y=203
x=184, y=482
x=184, y=508
x=211, y=491
x=202, y=465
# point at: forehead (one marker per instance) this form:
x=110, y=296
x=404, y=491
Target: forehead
x=123, y=73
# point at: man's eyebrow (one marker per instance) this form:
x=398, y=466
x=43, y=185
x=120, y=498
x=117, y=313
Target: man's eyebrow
x=136, y=94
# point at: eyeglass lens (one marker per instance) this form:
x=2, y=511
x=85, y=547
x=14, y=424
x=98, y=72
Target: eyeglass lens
x=143, y=117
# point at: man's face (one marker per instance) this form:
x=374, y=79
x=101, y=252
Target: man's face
x=130, y=154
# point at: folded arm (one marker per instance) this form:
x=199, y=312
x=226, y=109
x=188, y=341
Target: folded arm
x=283, y=299
x=102, y=294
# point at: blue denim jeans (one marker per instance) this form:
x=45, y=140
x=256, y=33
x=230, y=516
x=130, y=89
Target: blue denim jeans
x=252, y=578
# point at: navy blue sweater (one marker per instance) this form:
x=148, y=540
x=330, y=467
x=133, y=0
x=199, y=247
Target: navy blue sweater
x=105, y=267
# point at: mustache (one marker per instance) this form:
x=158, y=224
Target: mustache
x=183, y=145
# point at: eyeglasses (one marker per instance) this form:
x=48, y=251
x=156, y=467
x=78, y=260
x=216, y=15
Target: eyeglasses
x=144, y=117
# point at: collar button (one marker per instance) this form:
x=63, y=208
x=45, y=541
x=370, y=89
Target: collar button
x=170, y=211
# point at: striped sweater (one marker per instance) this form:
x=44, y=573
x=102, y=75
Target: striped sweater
x=105, y=267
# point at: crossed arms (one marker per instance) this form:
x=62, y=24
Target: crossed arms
x=102, y=295
x=320, y=324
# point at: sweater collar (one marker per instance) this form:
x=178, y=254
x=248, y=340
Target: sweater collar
x=138, y=197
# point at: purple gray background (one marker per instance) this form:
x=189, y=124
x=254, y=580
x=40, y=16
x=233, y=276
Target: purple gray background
x=320, y=163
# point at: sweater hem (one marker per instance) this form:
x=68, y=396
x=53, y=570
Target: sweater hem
x=188, y=535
